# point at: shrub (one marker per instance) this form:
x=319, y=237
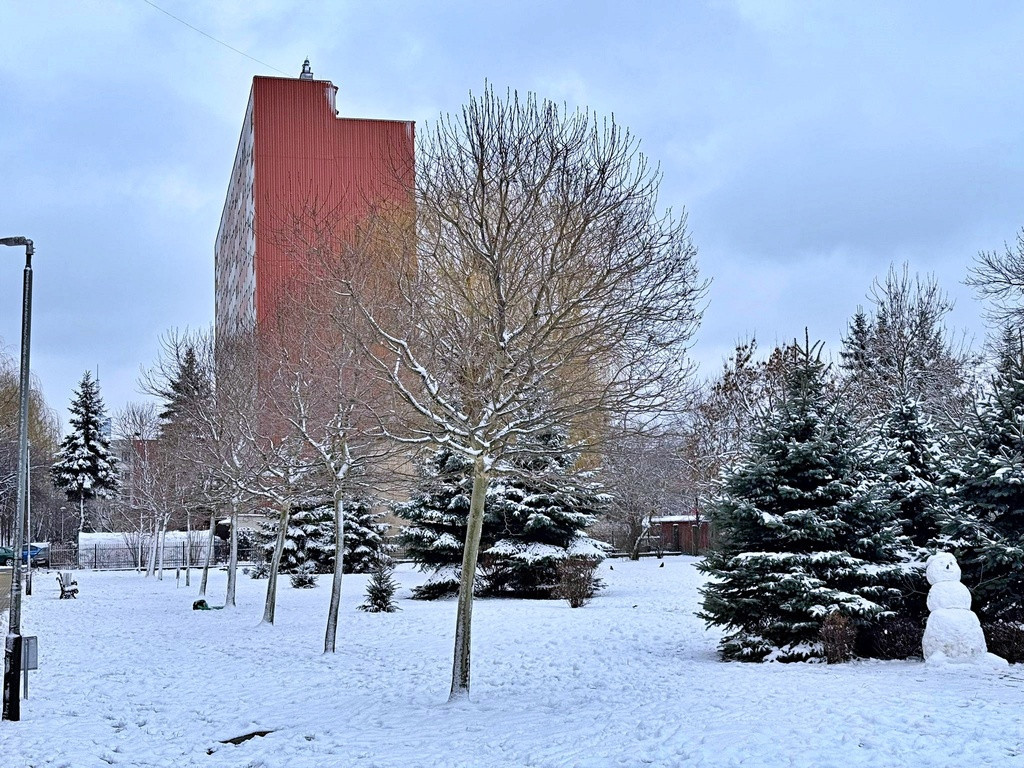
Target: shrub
x=894, y=637
x=1006, y=639
x=576, y=583
x=838, y=635
x=380, y=589
x=260, y=570
x=305, y=576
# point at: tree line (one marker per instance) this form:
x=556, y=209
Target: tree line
x=835, y=482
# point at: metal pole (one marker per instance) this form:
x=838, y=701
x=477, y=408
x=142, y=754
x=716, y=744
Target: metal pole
x=28, y=527
x=13, y=646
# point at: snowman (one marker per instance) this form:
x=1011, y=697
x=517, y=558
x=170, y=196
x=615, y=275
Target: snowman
x=953, y=632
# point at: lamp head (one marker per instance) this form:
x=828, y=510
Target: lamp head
x=29, y=247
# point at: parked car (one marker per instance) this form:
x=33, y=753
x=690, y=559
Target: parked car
x=40, y=555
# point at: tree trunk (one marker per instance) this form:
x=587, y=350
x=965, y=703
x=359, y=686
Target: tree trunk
x=188, y=548
x=233, y=557
x=464, y=617
x=339, y=562
x=275, y=563
x=209, y=555
x=151, y=562
x=81, y=517
x=163, y=546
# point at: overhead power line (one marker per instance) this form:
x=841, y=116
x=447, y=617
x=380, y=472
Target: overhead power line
x=219, y=42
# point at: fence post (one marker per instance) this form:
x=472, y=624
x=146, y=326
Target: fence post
x=95, y=557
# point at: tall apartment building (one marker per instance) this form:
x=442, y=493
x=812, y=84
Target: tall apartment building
x=295, y=153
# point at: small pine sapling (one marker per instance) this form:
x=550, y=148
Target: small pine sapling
x=304, y=576
x=380, y=589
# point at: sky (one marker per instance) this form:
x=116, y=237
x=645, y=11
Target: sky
x=811, y=144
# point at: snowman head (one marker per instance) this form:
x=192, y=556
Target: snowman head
x=942, y=567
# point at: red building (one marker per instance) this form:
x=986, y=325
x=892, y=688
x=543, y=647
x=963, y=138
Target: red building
x=690, y=533
x=296, y=156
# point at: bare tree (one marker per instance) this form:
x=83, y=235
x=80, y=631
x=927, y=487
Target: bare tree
x=644, y=477
x=329, y=397
x=546, y=290
x=218, y=451
x=998, y=276
x=903, y=348
x=153, y=483
x=723, y=412
x=44, y=438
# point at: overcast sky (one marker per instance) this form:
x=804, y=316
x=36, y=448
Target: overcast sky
x=811, y=144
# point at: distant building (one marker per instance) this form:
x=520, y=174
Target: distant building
x=296, y=154
x=688, y=533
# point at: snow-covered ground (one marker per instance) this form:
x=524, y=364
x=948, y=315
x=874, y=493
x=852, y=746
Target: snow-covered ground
x=131, y=676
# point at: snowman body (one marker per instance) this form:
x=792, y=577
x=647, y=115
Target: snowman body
x=953, y=632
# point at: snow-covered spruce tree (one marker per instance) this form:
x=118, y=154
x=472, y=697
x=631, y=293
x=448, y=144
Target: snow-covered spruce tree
x=85, y=468
x=381, y=588
x=438, y=512
x=988, y=531
x=918, y=472
x=365, y=544
x=310, y=537
x=803, y=533
x=535, y=515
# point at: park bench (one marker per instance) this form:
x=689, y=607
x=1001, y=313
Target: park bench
x=68, y=585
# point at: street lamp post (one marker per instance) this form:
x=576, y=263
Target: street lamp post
x=28, y=523
x=12, y=648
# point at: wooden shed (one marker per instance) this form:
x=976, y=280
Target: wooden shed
x=690, y=533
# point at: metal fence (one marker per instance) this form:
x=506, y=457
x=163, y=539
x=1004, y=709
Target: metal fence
x=109, y=556
x=105, y=557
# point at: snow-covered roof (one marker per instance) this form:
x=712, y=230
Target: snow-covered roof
x=691, y=518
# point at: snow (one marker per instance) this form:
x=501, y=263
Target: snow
x=950, y=595
x=131, y=676
x=941, y=567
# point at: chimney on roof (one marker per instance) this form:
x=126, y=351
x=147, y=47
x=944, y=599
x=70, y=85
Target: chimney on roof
x=307, y=73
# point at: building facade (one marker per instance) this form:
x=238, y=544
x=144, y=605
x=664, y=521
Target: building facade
x=298, y=161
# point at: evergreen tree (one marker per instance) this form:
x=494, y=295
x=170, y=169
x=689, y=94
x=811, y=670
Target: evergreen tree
x=310, y=537
x=381, y=588
x=365, y=544
x=856, y=354
x=438, y=514
x=183, y=394
x=803, y=533
x=535, y=515
x=304, y=577
x=85, y=468
x=918, y=472
x=988, y=532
